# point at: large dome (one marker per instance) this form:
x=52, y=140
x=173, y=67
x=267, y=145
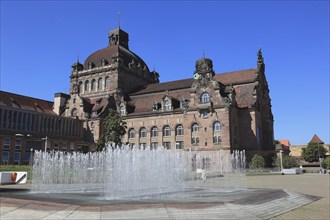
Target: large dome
x=118, y=47
x=107, y=54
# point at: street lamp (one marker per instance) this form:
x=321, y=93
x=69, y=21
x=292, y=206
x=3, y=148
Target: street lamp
x=318, y=149
x=31, y=157
x=46, y=142
x=281, y=161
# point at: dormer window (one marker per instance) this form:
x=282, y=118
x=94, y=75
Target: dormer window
x=183, y=103
x=104, y=62
x=155, y=106
x=205, y=97
x=90, y=65
x=167, y=105
x=74, y=112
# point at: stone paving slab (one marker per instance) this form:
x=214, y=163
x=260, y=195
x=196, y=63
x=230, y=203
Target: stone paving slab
x=230, y=208
x=271, y=203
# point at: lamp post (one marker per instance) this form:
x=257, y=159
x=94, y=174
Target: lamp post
x=23, y=144
x=46, y=142
x=31, y=157
x=281, y=161
x=318, y=149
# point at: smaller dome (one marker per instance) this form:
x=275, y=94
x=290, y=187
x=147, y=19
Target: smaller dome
x=204, y=65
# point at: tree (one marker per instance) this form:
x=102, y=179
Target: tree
x=114, y=129
x=313, y=152
x=257, y=162
x=287, y=161
x=326, y=163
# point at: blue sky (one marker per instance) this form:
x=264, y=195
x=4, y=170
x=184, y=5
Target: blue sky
x=41, y=39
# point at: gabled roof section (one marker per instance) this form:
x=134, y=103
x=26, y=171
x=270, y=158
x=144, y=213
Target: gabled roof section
x=316, y=140
x=285, y=142
x=237, y=77
x=25, y=102
x=229, y=78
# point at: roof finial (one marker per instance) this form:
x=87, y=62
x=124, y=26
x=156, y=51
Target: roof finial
x=260, y=57
x=118, y=19
x=203, y=53
x=77, y=58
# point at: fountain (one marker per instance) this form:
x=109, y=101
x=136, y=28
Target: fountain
x=137, y=173
x=144, y=183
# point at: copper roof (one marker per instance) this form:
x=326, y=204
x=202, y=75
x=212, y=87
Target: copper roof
x=25, y=102
x=316, y=140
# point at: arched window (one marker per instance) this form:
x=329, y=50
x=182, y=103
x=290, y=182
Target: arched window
x=216, y=126
x=81, y=89
x=99, y=84
x=93, y=85
x=167, y=131
x=194, y=134
x=217, y=132
x=154, y=132
x=143, y=132
x=131, y=133
x=86, y=86
x=107, y=82
x=205, y=97
x=74, y=112
x=167, y=105
x=179, y=130
x=195, y=127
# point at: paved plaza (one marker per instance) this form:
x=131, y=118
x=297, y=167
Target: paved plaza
x=303, y=196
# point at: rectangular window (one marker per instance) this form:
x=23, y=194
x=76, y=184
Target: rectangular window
x=6, y=144
x=154, y=145
x=64, y=147
x=5, y=157
x=27, y=155
x=167, y=145
x=17, y=158
x=18, y=144
x=179, y=145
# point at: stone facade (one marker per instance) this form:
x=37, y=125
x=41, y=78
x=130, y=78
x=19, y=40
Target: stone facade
x=206, y=112
x=28, y=124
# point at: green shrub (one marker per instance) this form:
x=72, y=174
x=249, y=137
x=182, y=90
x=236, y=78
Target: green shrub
x=326, y=163
x=257, y=162
x=288, y=162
